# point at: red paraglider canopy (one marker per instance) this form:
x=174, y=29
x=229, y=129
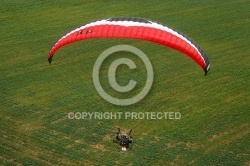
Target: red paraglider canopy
x=135, y=28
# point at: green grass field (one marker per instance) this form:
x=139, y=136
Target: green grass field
x=35, y=97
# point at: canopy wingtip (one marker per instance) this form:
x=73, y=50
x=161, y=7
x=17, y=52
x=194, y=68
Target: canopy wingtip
x=50, y=60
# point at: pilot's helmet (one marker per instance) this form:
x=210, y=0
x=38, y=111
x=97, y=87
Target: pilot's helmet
x=125, y=136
